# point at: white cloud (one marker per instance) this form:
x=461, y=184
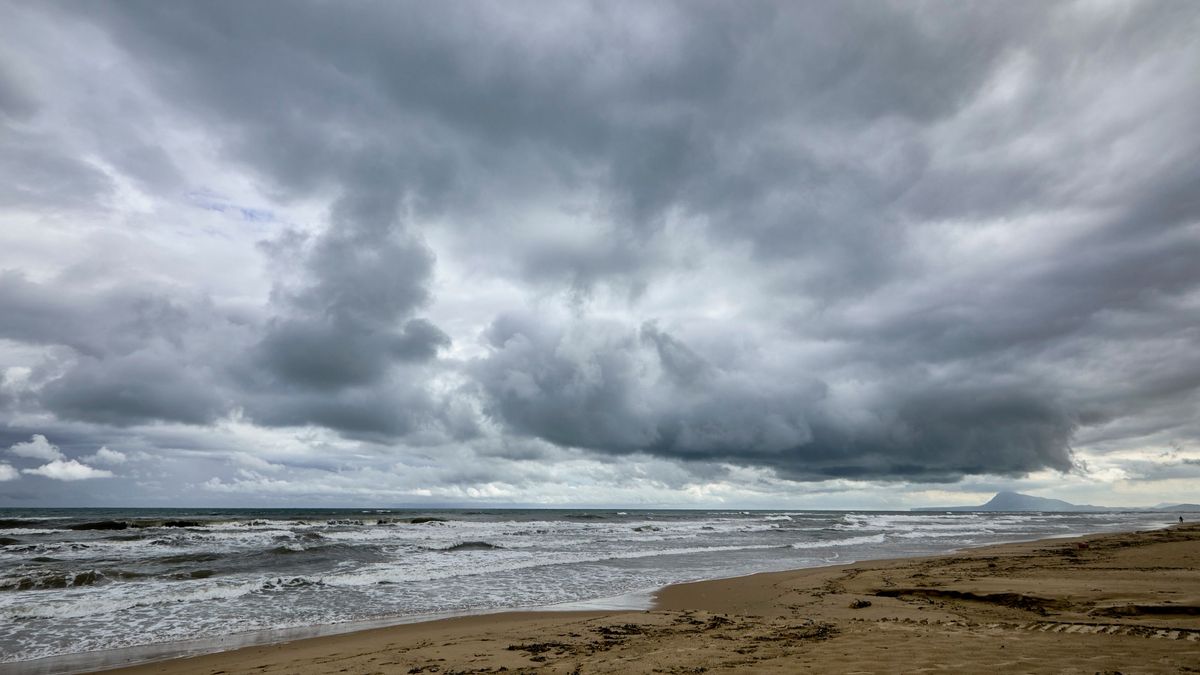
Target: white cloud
x=8, y=473
x=68, y=470
x=106, y=456
x=37, y=448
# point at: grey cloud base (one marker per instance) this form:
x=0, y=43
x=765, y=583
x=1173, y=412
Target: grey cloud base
x=599, y=387
x=871, y=241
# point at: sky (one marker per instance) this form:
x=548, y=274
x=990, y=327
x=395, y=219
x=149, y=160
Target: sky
x=640, y=254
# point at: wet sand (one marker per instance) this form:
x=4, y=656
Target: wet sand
x=1126, y=603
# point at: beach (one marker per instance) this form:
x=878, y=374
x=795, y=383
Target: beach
x=1125, y=602
x=85, y=585
x=599, y=336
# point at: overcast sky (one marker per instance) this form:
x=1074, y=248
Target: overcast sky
x=740, y=254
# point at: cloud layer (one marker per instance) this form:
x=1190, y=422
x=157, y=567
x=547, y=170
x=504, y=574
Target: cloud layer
x=56, y=466
x=798, y=243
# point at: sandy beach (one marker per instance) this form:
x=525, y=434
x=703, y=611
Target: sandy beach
x=1126, y=603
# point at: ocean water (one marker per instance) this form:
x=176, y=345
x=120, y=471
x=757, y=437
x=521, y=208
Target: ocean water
x=81, y=580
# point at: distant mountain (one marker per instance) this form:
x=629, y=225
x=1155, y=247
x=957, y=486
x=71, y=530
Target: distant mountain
x=1191, y=508
x=1015, y=501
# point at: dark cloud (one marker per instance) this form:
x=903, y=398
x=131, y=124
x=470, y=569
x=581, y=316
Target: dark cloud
x=349, y=319
x=131, y=389
x=93, y=322
x=135, y=356
x=1182, y=470
x=832, y=240
x=614, y=391
x=35, y=170
x=325, y=354
x=334, y=353
x=378, y=413
x=131, y=355
x=447, y=110
x=36, y=173
x=16, y=102
x=941, y=431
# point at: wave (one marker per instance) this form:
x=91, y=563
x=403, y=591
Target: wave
x=849, y=541
x=427, y=520
x=393, y=573
x=287, y=549
x=279, y=583
x=23, y=523
x=126, y=537
x=207, y=556
x=470, y=546
x=181, y=523
x=194, y=574
x=108, y=603
x=52, y=580
x=918, y=534
x=152, y=595
x=585, y=516
x=30, y=530
x=100, y=525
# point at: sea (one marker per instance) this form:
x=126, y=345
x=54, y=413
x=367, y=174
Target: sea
x=76, y=584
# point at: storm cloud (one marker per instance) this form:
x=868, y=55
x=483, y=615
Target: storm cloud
x=792, y=242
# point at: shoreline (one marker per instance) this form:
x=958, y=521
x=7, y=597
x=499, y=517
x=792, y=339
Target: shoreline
x=116, y=660
x=703, y=605
x=111, y=660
